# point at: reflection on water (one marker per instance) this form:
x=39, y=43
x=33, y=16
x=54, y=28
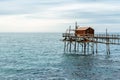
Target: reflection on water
x=89, y=67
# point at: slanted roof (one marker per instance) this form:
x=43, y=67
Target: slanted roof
x=83, y=28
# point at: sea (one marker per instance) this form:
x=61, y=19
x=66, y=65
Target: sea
x=41, y=56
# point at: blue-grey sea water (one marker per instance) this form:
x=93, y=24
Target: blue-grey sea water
x=40, y=56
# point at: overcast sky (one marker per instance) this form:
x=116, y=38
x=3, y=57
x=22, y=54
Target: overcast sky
x=57, y=15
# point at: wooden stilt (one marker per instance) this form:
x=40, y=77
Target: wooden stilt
x=96, y=46
x=84, y=47
x=78, y=47
x=92, y=47
x=70, y=47
x=64, y=46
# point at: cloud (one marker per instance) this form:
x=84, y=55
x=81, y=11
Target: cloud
x=22, y=7
x=96, y=12
x=88, y=7
x=32, y=15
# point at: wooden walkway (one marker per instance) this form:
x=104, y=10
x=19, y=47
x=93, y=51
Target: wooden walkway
x=97, y=38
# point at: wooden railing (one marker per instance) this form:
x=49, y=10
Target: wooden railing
x=78, y=35
x=112, y=36
x=117, y=36
x=68, y=34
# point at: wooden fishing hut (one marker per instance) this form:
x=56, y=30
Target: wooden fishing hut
x=84, y=40
x=84, y=31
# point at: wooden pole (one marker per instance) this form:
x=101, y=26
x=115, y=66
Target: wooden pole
x=84, y=47
x=88, y=48
x=70, y=39
x=78, y=47
x=96, y=46
x=75, y=37
x=70, y=47
x=64, y=46
x=107, y=43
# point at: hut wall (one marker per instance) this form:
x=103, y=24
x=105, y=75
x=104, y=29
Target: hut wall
x=87, y=32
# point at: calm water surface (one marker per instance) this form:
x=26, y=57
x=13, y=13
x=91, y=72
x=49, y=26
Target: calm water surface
x=40, y=56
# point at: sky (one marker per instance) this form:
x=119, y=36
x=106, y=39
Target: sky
x=58, y=15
